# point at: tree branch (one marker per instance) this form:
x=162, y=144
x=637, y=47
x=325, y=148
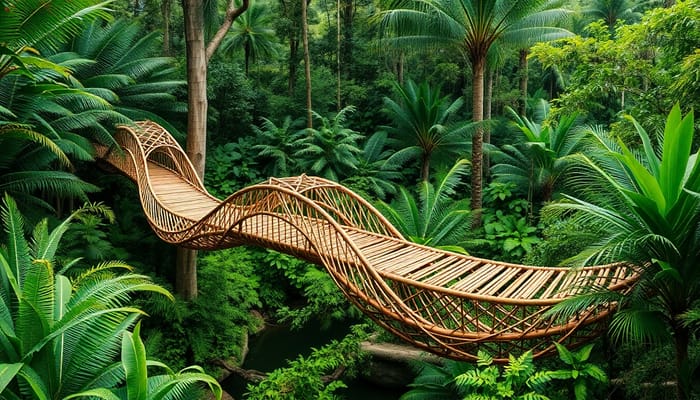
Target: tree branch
x=231, y=14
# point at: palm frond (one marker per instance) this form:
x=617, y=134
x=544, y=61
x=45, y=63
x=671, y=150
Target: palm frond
x=59, y=183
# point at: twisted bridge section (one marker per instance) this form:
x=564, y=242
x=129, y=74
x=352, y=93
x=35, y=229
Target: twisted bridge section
x=446, y=303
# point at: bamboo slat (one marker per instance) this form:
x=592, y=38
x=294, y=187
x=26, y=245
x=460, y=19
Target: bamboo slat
x=447, y=303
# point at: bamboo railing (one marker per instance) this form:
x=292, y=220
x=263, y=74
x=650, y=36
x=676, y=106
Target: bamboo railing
x=446, y=303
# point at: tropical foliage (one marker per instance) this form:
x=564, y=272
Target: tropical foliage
x=278, y=146
x=519, y=379
x=60, y=334
x=433, y=217
x=31, y=98
x=375, y=174
x=331, y=150
x=642, y=69
x=253, y=34
x=436, y=381
x=537, y=164
x=646, y=208
x=421, y=117
x=383, y=77
x=472, y=27
x=138, y=385
x=118, y=63
x=309, y=377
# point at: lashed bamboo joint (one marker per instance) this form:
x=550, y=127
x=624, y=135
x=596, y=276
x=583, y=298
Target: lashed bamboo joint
x=446, y=303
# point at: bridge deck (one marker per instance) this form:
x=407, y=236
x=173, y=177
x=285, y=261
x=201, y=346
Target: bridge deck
x=447, y=303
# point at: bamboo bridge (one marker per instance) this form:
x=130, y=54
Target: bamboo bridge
x=446, y=303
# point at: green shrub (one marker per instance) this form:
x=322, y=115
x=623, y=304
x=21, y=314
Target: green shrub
x=509, y=232
x=215, y=325
x=563, y=238
x=307, y=377
x=231, y=167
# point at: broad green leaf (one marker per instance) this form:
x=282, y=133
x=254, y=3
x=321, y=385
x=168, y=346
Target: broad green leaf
x=584, y=353
x=647, y=183
x=596, y=373
x=100, y=393
x=134, y=363
x=8, y=373
x=34, y=381
x=678, y=138
x=652, y=159
x=564, y=354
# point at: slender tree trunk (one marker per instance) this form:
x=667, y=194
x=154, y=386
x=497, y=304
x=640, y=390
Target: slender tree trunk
x=337, y=55
x=198, y=54
x=681, y=338
x=478, y=65
x=186, y=263
x=246, y=55
x=425, y=167
x=523, y=81
x=348, y=14
x=622, y=100
x=307, y=61
x=293, y=61
x=488, y=96
x=165, y=11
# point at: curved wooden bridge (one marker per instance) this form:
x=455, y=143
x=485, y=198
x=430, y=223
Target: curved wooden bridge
x=446, y=303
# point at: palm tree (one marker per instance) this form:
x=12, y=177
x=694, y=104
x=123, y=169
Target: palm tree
x=59, y=334
x=31, y=25
x=330, y=151
x=611, y=11
x=278, y=144
x=38, y=112
x=541, y=160
x=421, y=116
x=472, y=27
x=252, y=33
x=647, y=210
x=434, y=218
x=120, y=64
x=374, y=174
x=30, y=85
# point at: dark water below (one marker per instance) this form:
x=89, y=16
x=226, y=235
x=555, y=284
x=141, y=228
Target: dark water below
x=272, y=348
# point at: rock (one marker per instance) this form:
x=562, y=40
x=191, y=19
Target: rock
x=390, y=364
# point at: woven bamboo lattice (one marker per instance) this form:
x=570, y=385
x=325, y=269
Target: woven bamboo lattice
x=449, y=304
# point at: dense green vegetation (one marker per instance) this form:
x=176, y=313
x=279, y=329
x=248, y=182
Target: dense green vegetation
x=545, y=132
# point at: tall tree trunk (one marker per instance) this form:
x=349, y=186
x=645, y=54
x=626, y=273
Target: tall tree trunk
x=291, y=10
x=425, y=167
x=348, y=14
x=186, y=263
x=478, y=65
x=246, y=57
x=488, y=98
x=166, y=11
x=681, y=337
x=198, y=54
x=523, y=81
x=337, y=56
x=293, y=61
x=307, y=61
